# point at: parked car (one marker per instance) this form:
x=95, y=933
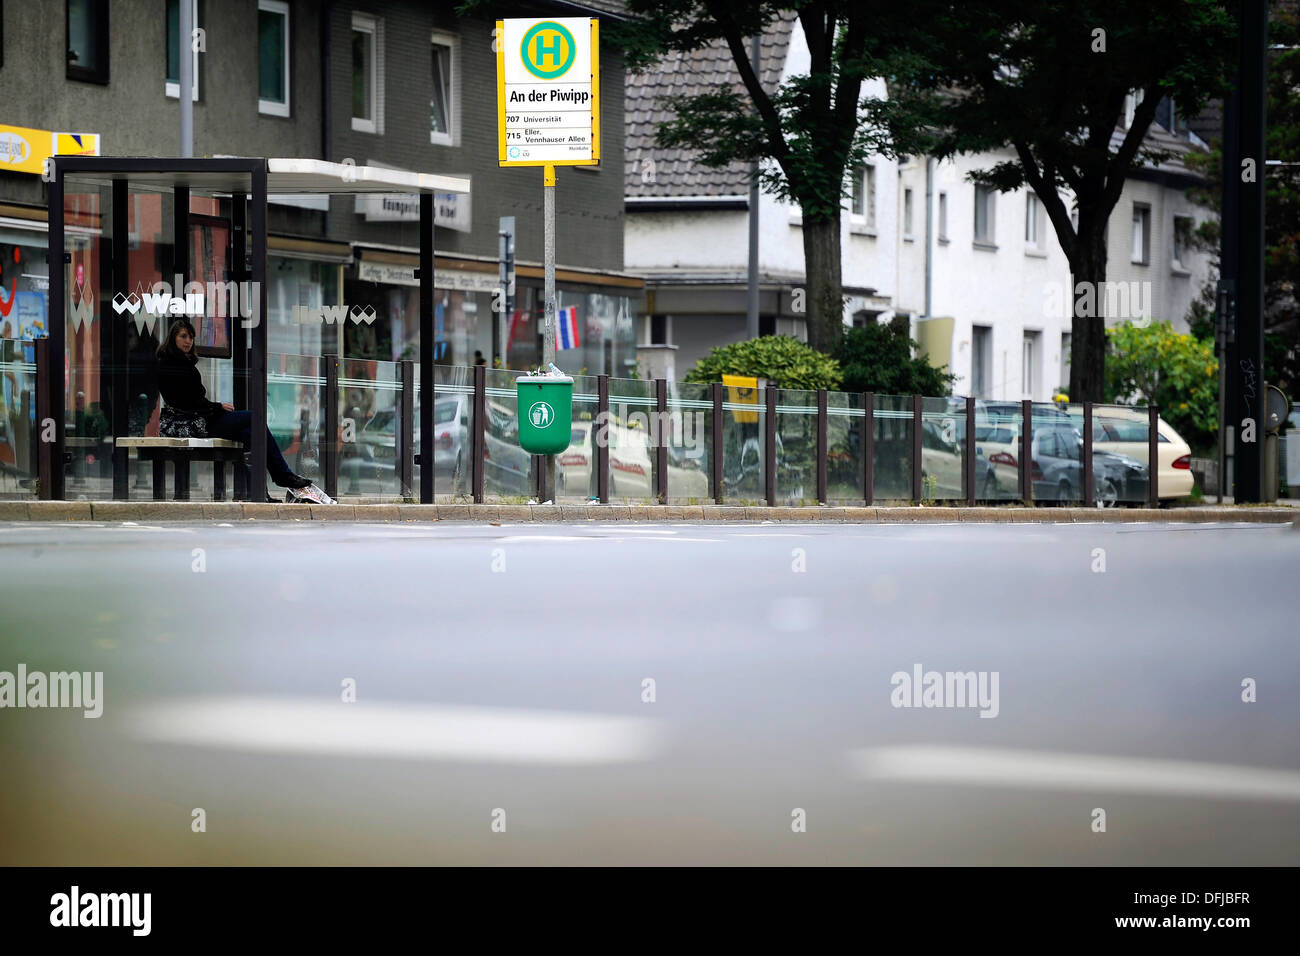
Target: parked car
x=1057, y=469
x=943, y=458
x=1124, y=431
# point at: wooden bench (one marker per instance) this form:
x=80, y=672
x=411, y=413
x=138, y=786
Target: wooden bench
x=180, y=452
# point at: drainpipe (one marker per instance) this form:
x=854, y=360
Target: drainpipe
x=929, y=226
x=751, y=299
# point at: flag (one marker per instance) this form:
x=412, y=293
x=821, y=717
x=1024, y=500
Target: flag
x=566, y=329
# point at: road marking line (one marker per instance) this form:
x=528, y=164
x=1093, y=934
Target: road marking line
x=399, y=731
x=1045, y=770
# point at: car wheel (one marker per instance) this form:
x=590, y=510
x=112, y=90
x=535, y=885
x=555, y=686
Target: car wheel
x=1106, y=493
x=989, y=490
x=1064, y=493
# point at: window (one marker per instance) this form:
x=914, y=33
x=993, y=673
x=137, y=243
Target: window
x=1131, y=103
x=907, y=213
x=1064, y=379
x=273, y=57
x=1033, y=221
x=943, y=217
x=1141, y=234
x=174, y=46
x=864, y=196
x=658, y=330
x=367, y=74
x=443, y=102
x=87, y=36
x=1029, y=364
x=980, y=355
x=984, y=214
x=1183, y=226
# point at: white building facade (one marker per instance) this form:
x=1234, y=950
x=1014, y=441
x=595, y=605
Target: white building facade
x=979, y=275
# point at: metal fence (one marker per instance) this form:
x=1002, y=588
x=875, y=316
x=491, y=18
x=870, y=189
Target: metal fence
x=352, y=425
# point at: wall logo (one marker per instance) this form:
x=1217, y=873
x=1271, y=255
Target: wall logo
x=331, y=315
x=213, y=299
x=548, y=50
x=541, y=414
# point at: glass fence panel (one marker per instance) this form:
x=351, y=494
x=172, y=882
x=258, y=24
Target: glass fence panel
x=294, y=387
x=575, y=467
x=453, y=423
x=796, y=446
x=844, y=422
x=1121, y=456
x=370, y=394
x=19, y=432
x=1056, y=460
x=631, y=455
x=743, y=418
x=943, y=449
x=997, y=449
x=507, y=468
x=689, y=434
x=892, y=449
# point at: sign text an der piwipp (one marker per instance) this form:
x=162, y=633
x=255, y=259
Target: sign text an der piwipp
x=548, y=89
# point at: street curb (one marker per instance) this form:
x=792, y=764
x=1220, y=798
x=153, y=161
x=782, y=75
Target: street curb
x=510, y=514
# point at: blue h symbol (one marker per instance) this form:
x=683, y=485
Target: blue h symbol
x=552, y=49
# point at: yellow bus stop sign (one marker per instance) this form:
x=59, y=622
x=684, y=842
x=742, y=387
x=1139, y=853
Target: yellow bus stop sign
x=742, y=390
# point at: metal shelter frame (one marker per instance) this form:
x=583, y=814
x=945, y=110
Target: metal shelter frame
x=248, y=182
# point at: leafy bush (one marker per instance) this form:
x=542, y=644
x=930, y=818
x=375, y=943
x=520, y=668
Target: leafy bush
x=1178, y=373
x=784, y=361
x=880, y=358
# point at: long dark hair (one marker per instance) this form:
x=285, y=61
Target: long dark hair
x=170, y=350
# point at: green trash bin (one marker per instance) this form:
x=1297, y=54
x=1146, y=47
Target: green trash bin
x=545, y=413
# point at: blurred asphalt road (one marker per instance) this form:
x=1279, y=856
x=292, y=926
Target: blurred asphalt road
x=502, y=669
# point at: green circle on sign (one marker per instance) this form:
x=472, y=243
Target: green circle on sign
x=561, y=44
x=541, y=414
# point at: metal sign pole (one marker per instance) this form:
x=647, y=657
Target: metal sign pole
x=548, y=290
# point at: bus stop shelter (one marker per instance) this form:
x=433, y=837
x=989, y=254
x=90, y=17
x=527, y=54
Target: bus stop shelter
x=246, y=184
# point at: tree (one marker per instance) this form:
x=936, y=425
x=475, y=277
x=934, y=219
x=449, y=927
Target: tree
x=784, y=361
x=879, y=358
x=805, y=135
x=1050, y=80
x=1177, y=373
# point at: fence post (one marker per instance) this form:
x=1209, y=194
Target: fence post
x=769, y=445
x=916, y=447
x=406, y=431
x=970, y=450
x=1089, y=477
x=715, y=453
x=1153, y=456
x=47, y=452
x=822, y=442
x=601, y=438
x=330, y=444
x=479, y=444
x=868, y=446
x=1026, y=451
x=661, y=441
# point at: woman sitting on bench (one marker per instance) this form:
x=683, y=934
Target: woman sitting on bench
x=188, y=413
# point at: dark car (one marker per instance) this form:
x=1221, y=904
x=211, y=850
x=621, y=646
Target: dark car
x=1057, y=469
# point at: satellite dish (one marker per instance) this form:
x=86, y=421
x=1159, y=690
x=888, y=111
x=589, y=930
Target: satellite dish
x=1277, y=408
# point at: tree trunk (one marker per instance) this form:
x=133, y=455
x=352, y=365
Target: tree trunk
x=1088, y=325
x=824, y=291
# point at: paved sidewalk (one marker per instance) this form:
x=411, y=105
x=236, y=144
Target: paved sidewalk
x=239, y=511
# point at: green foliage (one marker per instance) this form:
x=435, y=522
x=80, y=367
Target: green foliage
x=1179, y=373
x=784, y=361
x=880, y=358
